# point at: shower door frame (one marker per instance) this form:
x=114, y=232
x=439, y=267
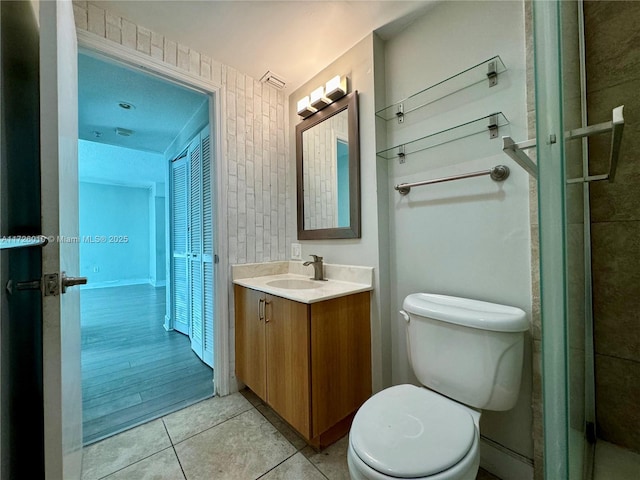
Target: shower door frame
x=554, y=275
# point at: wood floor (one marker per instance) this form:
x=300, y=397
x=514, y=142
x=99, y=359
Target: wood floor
x=133, y=370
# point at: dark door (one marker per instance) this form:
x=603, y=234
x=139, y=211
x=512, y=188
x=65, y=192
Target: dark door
x=21, y=400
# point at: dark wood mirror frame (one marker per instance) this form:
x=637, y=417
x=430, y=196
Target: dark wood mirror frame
x=350, y=103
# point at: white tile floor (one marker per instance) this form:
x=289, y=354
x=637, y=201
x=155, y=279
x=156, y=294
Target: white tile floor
x=233, y=437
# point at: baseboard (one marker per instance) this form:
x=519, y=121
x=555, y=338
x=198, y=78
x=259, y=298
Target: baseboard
x=158, y=284
x=115, y=283
x=504, y=463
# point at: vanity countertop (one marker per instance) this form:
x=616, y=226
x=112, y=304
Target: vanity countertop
x=324, y=290
x=312, y=291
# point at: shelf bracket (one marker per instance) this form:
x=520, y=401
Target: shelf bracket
x=615, y=126
x=401, y=154
x=492, y=73
x=515, y=151
x=400, y=113
x=493, y=126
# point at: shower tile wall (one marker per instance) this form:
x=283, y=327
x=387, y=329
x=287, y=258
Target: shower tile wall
x=536, y=332
x=613, y=78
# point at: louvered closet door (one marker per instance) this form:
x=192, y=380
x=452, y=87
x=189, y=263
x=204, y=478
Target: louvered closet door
x=195, y=247
x=208, y=298
x=179, y=242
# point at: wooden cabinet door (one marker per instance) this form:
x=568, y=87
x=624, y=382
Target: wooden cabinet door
x=250, y=340
x=288, y=361
x=340, y=358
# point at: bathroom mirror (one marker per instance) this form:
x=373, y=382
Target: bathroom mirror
x=328, y=172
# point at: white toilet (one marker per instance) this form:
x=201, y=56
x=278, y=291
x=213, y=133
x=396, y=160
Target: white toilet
x=468, y=355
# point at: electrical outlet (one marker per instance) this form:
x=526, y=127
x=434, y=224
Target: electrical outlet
x=96, y=269
x=296, y=251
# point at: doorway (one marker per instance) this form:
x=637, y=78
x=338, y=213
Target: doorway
x=136, y=365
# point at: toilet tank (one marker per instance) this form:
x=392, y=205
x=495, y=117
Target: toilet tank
x=468, y=350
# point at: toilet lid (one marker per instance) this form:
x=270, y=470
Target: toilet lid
x=407, y=431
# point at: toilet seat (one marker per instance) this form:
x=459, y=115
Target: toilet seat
x=411, y=432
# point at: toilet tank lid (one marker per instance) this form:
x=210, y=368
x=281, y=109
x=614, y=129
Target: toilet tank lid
x=467, y=312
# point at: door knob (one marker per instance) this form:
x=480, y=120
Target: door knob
x=52, y=287
x=71, y=281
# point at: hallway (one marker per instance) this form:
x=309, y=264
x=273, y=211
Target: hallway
x=133, y=370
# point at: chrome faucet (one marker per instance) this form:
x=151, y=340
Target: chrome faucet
x=318, y=270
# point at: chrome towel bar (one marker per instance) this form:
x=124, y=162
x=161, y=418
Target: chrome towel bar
x=498, y=173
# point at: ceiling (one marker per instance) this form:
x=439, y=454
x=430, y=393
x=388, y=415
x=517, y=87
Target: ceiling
x=292, y=39
x=160, y=109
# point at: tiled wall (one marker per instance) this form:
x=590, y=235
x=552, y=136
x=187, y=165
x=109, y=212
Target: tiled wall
x=613, y=78
x=536, y=332
x=254, y=146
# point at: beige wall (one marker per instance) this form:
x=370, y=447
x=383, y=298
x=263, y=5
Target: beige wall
x=358, y=65
x=469, y=238
x=384, y=71
x=613, y=78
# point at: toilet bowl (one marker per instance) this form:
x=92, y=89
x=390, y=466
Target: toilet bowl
x=467, y=355
x=411, y=432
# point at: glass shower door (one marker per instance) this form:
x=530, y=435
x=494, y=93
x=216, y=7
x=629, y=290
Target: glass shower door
x=562, y=206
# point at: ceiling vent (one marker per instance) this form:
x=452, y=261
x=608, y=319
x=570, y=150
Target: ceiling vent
x=274, y=80
x=124, y=132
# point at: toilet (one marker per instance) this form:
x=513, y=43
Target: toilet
x=468, y=356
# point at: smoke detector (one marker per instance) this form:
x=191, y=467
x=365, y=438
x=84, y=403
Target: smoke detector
x=274, y=80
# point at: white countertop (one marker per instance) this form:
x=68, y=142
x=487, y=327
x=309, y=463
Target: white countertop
x=325, y=290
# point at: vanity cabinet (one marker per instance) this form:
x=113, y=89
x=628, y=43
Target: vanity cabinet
x=311, y=363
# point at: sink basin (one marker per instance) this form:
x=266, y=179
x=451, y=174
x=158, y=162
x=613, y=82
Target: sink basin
x=293, y=284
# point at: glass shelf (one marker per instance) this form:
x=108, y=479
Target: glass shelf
x=487, y=71
x=490, y=124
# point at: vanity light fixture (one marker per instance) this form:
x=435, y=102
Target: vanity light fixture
x=318, y=100
x=322, y=96
x=336, y=88
x=304, y=107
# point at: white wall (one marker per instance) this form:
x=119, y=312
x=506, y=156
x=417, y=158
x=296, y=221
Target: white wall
x=117, y=219
x=471, y=237
x=104, y=169
x=358, y=65
x=102, y=163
